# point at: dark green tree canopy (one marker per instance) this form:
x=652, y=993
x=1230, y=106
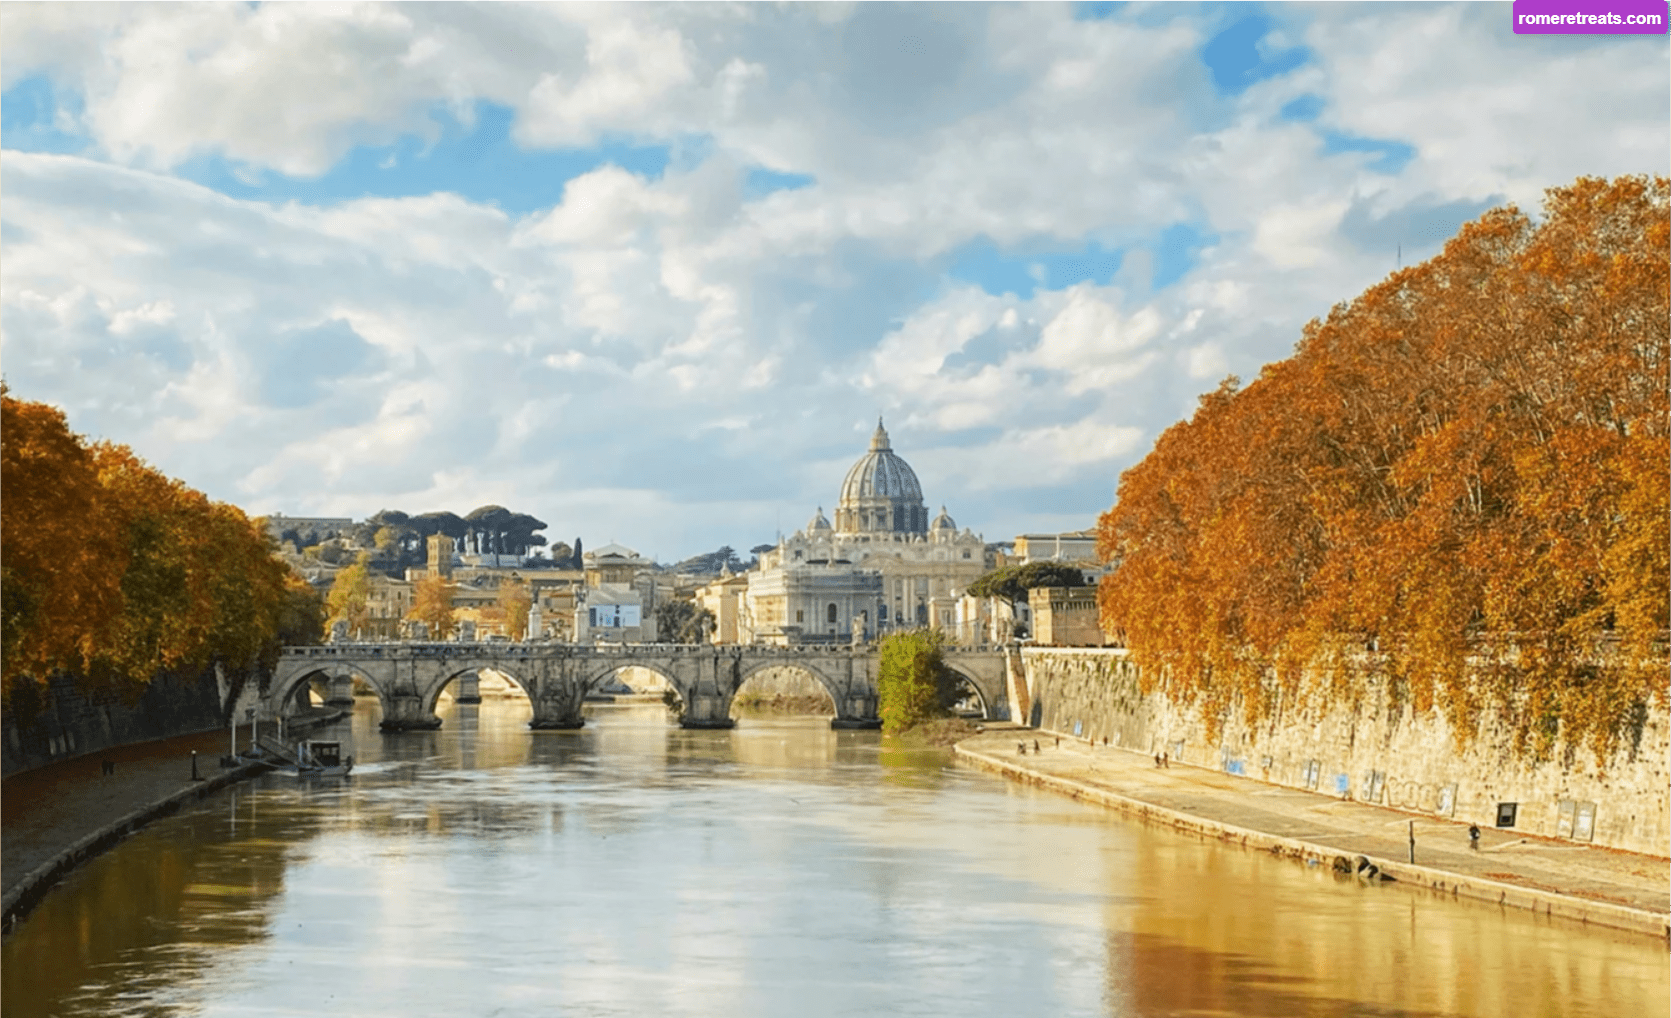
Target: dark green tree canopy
x=450, y=524
x=724, y=557
x=682, y=622
x=1013, y=582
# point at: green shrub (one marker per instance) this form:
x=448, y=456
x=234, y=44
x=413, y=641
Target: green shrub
x=913, y=684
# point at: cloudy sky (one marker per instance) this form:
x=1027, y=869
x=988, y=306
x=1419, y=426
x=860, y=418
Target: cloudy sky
x=651, y=273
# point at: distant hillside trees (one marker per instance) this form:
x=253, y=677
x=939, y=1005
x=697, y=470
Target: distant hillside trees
x=114, y=572
x=398, y=541
x=1469, y=458
x=715, y=561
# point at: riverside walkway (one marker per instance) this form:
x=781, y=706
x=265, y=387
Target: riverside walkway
x=1560, y=878
x=48, y=810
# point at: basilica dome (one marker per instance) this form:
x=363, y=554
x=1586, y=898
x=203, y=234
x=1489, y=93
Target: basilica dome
x=881, y=493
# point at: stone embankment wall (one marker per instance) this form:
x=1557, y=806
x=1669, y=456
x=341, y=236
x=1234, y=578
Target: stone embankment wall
x=68, y=722
x=1373, y=753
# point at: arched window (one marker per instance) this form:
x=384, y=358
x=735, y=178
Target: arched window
x=830, y=614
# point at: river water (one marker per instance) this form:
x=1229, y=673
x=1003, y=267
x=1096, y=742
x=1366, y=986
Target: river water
x=778, y=869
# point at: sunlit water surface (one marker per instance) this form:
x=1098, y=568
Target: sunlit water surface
x=778, y=869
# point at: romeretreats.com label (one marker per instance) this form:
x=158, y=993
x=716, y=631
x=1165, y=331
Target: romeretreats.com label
x=1590, y=17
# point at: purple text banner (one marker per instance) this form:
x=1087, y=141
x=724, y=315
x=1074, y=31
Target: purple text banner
x=1590, y=17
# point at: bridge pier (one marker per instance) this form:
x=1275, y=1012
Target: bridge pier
x=342, y=691
x=558, y=690
x=708, y=712
x=405, y=713
x=467, y=688
x=856, y=712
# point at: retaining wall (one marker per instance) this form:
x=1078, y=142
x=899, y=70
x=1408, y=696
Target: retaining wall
x=1374, y=753
x=69, y=722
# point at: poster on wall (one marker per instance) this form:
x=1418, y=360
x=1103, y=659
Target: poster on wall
x=606, y=616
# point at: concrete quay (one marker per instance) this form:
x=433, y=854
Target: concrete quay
x=1558, y=878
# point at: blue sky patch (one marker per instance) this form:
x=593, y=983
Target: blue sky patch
x=1303, y=110
x=999, y=272
x=28, y=119
x=1238, y=59
x=1093, y=11
x=1392, y=156
x=1177, y=252
x=483, y=165
x=760, y=182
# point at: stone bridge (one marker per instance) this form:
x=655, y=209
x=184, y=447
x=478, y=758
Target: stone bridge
x=409, y=677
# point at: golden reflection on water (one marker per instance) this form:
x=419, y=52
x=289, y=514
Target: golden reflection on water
x=1255, y=936
x=778, y=867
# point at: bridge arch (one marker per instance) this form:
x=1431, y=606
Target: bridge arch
x=432, y=693
x=282, y=691
x=668, y=677
x=833, y=689
x=970, y=686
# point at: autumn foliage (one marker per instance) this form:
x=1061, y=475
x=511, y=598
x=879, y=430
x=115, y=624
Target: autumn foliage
x=114, y=572
x=1459, y=480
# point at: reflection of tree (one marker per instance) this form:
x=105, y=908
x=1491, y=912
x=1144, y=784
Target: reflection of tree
x=1195, y=928
x=912, y=766
x=168, y=900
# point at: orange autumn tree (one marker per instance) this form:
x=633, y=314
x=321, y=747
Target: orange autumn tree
x=1464, y=468
x=115, y=573
x=432, y=604
x=61, y=558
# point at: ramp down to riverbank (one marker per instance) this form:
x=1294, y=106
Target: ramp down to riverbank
x=1557, y=878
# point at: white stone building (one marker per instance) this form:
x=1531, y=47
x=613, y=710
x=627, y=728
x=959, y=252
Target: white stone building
x=609, y=613
x=883, y=562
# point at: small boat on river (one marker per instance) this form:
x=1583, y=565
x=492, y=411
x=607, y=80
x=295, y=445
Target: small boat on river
x=321, y=760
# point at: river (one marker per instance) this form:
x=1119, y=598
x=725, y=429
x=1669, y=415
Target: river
x=777, y=869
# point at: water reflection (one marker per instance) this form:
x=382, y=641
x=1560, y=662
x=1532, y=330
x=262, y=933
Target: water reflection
x=776, y=868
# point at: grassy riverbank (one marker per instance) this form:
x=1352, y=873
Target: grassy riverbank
x=940, y=733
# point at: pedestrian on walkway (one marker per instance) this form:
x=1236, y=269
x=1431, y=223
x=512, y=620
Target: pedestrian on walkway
x=1157, y=759
x=1166, y=760
x=1035, y=747
x=1474, y=837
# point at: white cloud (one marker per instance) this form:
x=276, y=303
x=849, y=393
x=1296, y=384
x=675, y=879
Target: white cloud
x=672, y=360
x=157, y=312
x=1298, y=236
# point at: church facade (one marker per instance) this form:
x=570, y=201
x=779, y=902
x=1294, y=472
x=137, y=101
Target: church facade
x=882, y=564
